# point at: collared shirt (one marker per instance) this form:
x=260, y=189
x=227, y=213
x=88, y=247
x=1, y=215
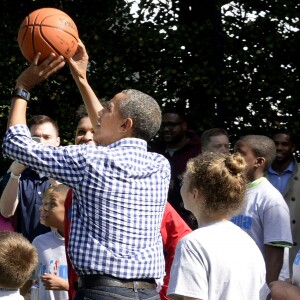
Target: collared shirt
x=280, y=180
x=120, y=192
x=30, y=194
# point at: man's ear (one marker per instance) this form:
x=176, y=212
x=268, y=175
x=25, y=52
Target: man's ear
x=126, y=125
x=260, y=162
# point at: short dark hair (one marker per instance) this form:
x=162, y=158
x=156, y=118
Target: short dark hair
x=41, y=119
x=175, y=108
x=261, y=146
x=80, y=113
x=207, y=134
x=285, y=131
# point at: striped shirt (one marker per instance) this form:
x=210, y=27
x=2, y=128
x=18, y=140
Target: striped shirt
x=120, y=192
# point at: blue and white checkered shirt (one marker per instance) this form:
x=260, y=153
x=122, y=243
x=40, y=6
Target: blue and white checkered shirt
x=120, y=192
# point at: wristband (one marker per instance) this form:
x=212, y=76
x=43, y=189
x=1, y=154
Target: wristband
x=22, y=93
x=13, y=176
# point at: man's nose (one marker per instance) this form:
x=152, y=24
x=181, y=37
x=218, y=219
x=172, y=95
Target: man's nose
x=88, y=136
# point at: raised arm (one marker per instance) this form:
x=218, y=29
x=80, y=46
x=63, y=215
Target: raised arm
x=9, y=198
x=78, y=66
x=28, y=79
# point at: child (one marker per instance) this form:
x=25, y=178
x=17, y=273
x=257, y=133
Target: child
x=52, y=273
x=218, y=260
x=265, y=215
x=18, y=258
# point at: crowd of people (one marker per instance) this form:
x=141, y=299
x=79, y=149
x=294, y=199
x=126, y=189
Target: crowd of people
x=121, y=215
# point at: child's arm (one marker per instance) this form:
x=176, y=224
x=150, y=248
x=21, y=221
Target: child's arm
x=53, y=282
x=274, y=262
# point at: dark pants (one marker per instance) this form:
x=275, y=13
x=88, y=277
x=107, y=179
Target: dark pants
x=114, y=293
x=94, y=287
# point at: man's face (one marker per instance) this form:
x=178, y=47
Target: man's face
x=172, y=128
x=284, y=147
x=46, y=132
x=251, y=160
x=218, y=144
x=110, y=122
x=84, y=132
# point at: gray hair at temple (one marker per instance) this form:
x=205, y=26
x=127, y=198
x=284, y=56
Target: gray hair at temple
x=144, y=112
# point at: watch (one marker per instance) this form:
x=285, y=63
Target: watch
x=22, y=93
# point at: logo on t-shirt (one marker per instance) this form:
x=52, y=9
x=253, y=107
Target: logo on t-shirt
x=244, y=222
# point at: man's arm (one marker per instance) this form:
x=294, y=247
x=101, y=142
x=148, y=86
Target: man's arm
x=274, y=261
x=78, y=66
x=9, y=198
x=28, y=79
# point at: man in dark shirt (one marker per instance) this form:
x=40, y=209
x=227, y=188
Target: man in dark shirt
x=24, y=188
x=178, y=144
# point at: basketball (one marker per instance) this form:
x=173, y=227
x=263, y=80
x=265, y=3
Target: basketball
x=47, y=30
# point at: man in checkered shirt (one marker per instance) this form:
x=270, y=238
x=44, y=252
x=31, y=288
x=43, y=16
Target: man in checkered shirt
x=119, y=189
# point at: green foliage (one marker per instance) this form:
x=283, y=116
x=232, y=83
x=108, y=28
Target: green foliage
x=230, y=71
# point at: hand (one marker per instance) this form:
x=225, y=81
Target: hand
x=53, y=282
x=16, y=168
x=35, y=73
x=279, y=290
x=78, y=63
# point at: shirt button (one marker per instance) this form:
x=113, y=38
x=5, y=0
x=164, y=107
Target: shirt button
x=39, y=193
x=295, y=244
x=294, y=221
x=293, y=199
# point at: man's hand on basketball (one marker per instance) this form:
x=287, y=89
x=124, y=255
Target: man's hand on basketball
x=36, y=73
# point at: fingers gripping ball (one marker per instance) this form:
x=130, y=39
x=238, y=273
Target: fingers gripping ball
x=47, y=30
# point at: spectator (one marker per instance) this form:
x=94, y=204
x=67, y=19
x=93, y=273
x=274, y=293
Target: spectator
x=284, y=174
x=218, y=260
x=24, y=190
x=115, y=242
x=265, y=215
x=215, y=140
x=52, y=272
x=178, y=145
x=18, y=258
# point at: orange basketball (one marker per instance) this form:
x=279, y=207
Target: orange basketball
x=47, y=30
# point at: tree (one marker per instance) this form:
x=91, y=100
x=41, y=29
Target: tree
x=234, y=66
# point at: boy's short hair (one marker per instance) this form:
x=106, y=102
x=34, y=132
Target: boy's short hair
x=58, y=188
x=261, y=146
x=18, y=259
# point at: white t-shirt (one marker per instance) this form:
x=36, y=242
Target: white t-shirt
x=9, y=294
x=266, y=218
x=218, y=261
x=52, y=260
